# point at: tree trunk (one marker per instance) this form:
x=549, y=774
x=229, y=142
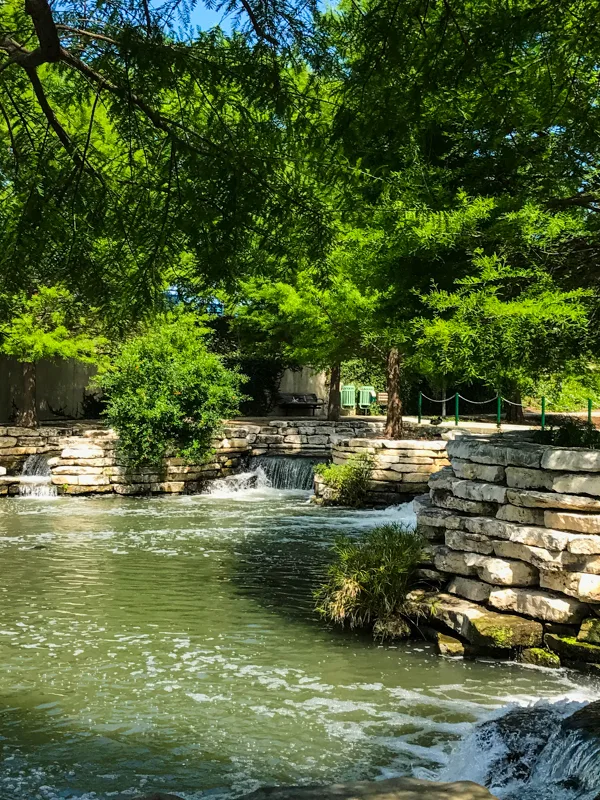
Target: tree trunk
x=443, y=399
x=27, y=414
x=514, y=413
x=393, y=423
x=334, y=407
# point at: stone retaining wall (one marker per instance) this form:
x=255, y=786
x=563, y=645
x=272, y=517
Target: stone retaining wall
x=401, y=467
x=516, y=528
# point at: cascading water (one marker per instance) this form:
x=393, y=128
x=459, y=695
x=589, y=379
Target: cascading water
x=549, y=751
x=35, y=477
x=285, y=473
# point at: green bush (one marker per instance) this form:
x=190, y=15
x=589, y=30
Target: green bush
x=349, y=481
x=167, y=394
x=370, y=577
x=570, y=432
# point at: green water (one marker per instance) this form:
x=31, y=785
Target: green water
x=170, y=644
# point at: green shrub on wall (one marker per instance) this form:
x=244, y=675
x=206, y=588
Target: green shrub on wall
x=349, y=481
x=167, y=393
x=370, y=577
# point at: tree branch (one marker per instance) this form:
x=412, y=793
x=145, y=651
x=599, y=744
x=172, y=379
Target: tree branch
x=258, y=28
x=43, y=22
x=589, y=201
x=88, y=34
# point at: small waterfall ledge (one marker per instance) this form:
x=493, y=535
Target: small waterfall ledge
x=35, y=479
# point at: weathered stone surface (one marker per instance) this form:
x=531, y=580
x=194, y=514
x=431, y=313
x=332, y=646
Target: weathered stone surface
x=539, y=605
x=389, y=475
x=571, y=650
x=476, y=450
x=476, y=591
x=484, y=628
x=490, y=473
x=409, y=467
x=2, y=470
x=522, y=478
x=573, y=460
x=570, y=521
x=8, y=441
x=72, y=470
x=412, y=444
x=449, y=646
x=524, y=534
x=503, y=572
x=590, y=631
x=60, y=480
x=539, y=657
x=431, y=533
x=582, y=585
x=392, y=789
x=577, y=484
x=525, y=516
x=439, y=517
x=443, y=499
x=533, y=499
x=485, y=492
x=453, y=561
x=473, y=542
x=82, y=451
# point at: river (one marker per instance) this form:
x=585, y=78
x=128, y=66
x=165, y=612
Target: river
x=170, y=644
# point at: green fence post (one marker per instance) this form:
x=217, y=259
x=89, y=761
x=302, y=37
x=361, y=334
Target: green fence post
x=589, y=411
x=543, y=413
x=456, y=398
x=420, y=407
x=499, y=412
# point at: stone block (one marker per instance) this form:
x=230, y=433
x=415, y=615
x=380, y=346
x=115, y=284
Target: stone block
x=389, y=475
x=503, y=571
x=266, y=438
x=538, y=657
x=17, y=431
x=577, y=484
x=60, y=480
x=485, y=492
x=448, y=501
x=411, y=468
x=471, y=542
x=477, y=591
x=82, y=451
x=523, y=534
x=431, y=533
x=533, y=499
x=2, y=470
x=453, y=561
x=490, y=473
x=93, y=480
x=292, y=439
x=571, y=650
x=168, y=487
x=523, y=478
x=439, y=517
x=73, y=470
x=539, y=605
x=571, y=460
x=19, y=451
x=582, y=585
x=7, y=441
x=318, y=440
x=590, y=631
x=414, y=477
x=413, y=444
x=131, y=488
x=525, y=516
x=484, y=628
x=572, y=521
x=449, y=646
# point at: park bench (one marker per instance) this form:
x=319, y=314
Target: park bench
x=297, y=401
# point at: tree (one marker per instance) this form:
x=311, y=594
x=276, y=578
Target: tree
x=509, y=328
x=166, y=393
x=49, y=324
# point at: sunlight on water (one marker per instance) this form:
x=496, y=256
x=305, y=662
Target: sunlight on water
x=170, y=644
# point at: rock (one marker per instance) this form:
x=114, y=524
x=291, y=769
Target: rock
x=590, y=631
x=473, y=542
x=571, y=650
x=449, y=646
x=582, y=585
x=82, y=451
x=583, y=544
x=538, y=604
x=585, y=720
x=571, y=460
x=444, y=499
x=533, y=499
x=431, y=533
x=391, y=789
x=577, y=484
x=476, y=591
x=158, y=796
x=503, y=572
x=539, y=657
x=453, y=561
x=524, y=534
x=392, y=628
x=525, y=516
x=439, y=517
x=2, y=470
x=582, y=523
x=522, y=478
x=490, y=473
x=485, y=492
x=412, y=444
x=484, y=628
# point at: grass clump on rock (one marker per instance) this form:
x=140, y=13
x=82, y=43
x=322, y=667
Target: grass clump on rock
x=369, y=580
x=349, y=482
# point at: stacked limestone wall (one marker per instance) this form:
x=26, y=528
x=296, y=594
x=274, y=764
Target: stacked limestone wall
x=401, y=466
x=515, y=526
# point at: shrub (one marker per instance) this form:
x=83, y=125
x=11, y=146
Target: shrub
x=167, y=394
x=570, y=432
x=350, y=481
x=370, y=577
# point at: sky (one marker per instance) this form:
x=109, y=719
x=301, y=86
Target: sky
x=204, y=18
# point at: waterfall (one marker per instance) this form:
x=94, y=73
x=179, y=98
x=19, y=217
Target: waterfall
x=285, y=473
x=35, y=477
x=541, y=751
